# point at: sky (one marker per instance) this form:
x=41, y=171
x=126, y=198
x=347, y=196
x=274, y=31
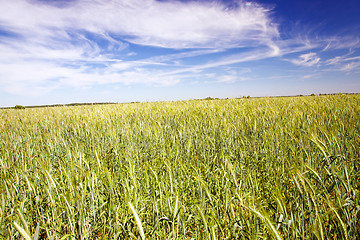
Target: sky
x=72, y=51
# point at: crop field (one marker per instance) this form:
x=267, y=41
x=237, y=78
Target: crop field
x=254, y=168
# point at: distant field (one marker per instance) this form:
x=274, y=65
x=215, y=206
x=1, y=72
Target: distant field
x=257, y=168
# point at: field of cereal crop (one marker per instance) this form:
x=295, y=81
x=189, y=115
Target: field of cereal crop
x=257, y=168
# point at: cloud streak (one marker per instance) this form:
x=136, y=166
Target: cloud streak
x=146, y=22
x=307, y=59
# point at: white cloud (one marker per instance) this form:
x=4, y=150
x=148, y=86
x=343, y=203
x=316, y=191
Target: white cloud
x=231, y=78
x=349, y=42
x=308, y=76
x=345, y=63
x=234, y=75
x=307, y=59
x=45, y=77
x=341, y=59
x=228, y=78
x=51, y=45
x=350, y=66
x=254, y=55
x=147, y=22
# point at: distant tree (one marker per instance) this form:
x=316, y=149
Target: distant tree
x=19, y=107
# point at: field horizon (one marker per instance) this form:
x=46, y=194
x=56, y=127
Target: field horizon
x=192, y=99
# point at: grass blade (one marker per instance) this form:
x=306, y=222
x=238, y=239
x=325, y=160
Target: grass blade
x=138, y=221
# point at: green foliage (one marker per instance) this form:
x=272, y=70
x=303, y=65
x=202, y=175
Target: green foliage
x=19, y=107
x=210, y=98
x=267, y=168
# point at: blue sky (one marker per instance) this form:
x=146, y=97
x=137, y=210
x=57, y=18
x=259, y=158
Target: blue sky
x=64, y=51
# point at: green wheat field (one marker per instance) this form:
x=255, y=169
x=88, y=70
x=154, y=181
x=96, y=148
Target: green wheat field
x=250, y=168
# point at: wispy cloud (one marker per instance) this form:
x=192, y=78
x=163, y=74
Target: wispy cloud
x=340, y=59
x=86, y=42
x=343, y=42
x=347, y=62
x=248, y=56
x=350, y=66
x=147, y=22
x=307, y=59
